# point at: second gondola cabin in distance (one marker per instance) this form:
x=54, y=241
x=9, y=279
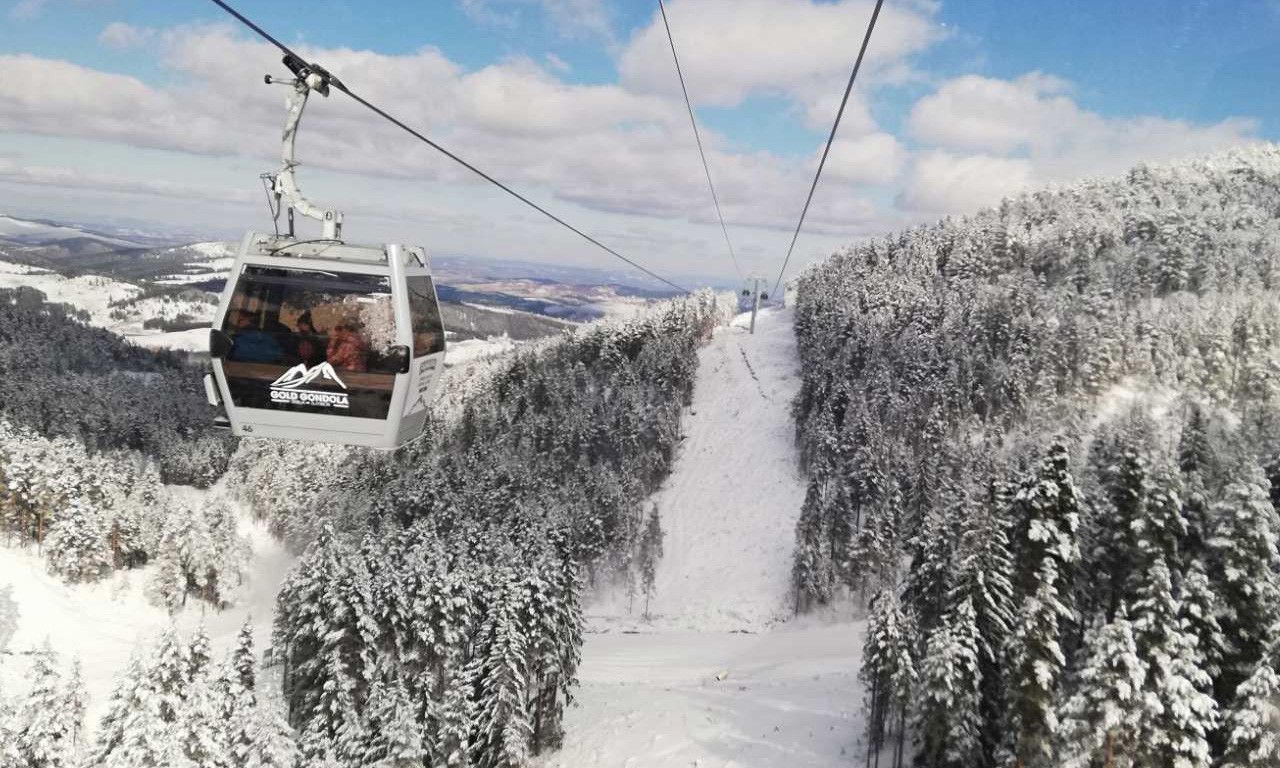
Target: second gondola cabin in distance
x=317, y=339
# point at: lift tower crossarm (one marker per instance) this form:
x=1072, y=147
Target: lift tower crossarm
x=308, y=78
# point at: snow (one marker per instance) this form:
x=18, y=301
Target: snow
x=93, y=294
x=787, y=698
x=730, y=507
x=104, y=623
x=717, y=679
x=194, y=340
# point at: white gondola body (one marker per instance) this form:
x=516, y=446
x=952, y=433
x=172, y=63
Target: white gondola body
x=279, y=397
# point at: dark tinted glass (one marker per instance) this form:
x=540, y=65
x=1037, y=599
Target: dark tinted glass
x=313, y=341
x=424, y=313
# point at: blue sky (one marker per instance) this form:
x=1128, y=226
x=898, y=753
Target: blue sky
x=962, y=102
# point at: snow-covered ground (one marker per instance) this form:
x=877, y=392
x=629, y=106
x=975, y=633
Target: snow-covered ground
x=92, y=293
x=194, y=340
x=729, y=508
x=104, y=623
x=717, y=679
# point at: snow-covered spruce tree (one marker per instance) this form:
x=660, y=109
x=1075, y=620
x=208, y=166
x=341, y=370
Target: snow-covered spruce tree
x=1252, y=724
x=889, y=673
x=46, y=723
x=1244, y=568
x=1100, y=720
x=200, y=731
x=504, y=731
x=77, y=548
x=650, y=553
x=983, y=574
x=1046, y=513
x=76, y=701
x=1126, y=481
x=948, y=723
x=395, y=734
x=1034, y=669
x=1175, y=715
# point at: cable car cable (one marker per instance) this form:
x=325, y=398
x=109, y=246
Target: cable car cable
x=698, y=137
x=830, y=140
x=336, y=83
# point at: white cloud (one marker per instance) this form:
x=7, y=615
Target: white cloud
x=876, y=158
x=800, y=48
x=996, y=137
x=945, y=182
x=573, y=17
x=73, y=178
x=603, y=147
x=121, y=36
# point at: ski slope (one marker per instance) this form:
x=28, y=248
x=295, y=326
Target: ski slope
x=729, y=509
x=719, y=677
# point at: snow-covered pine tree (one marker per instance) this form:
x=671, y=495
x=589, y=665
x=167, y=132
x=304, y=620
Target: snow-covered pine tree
x=395, y=735
x=650, y=554
x=948, y=723
x=46, y=726
x=271, y=742
x=1244, y=568
x=1126, y=484
x=1252, y=724
x=170, y=674
x=133, y=734
x=199, y=654
x=1099, y=721
x=244, y=661
x=76, y=701
x=888, y=672
x=1175, y=716
x=200, y=731
x=1200, y=605
x=77, y=548
x=504, y=728
x=1046, y=513
x=1035, y=666
x=983, y=573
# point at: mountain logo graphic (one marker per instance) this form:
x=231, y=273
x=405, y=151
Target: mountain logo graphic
x=291, y=387
x=300, y=375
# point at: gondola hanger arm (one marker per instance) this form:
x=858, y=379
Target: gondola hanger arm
x=307, y=78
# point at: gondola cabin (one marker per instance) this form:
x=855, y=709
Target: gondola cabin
x=325, y=341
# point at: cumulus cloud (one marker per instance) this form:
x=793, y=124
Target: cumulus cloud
x=601, y=146
x=945, y=182
x=121, y=36
x=872, y=159
x=989, y=138
x=799, y=48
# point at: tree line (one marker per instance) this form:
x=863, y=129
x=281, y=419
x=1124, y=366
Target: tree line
x=1043, y=451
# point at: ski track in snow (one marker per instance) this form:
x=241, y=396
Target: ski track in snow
x=717, y=679
x=104, y=623
x=729, y=508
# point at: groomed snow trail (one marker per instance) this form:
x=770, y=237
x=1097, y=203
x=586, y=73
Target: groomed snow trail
x=729, y=508
x=716, y=679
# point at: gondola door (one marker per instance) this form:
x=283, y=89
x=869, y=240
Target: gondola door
x=421, y=315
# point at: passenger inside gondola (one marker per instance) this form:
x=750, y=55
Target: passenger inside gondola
x=309, y=344
x=348, y=350
x=253, y=344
